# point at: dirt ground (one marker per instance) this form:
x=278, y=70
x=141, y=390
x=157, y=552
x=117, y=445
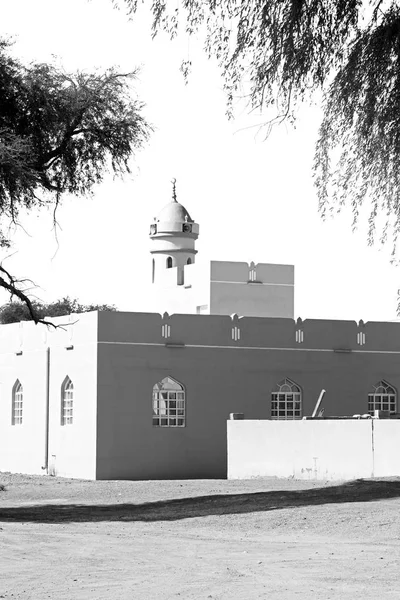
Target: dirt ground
x=262, y=538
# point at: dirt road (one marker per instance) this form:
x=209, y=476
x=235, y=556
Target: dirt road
x=224, y=540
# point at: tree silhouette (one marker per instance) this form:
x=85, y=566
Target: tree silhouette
x=59, y=133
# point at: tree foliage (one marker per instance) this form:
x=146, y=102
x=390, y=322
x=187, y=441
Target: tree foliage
x=280, y=52
x=13, y=312
x=60, y=133
x=358, y=152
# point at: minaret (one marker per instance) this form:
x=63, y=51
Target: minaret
x=173, y=235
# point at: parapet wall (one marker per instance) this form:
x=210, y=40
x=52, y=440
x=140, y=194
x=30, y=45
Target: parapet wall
x=204, y=330
x=25, y=336
x=249, y=332
x=243, y=272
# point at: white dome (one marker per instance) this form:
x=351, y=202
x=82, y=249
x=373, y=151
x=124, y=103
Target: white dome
x=174, y=212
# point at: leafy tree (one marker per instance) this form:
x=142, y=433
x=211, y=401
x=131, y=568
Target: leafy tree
x=13, y=312
x=59, y=133
x=283, y=51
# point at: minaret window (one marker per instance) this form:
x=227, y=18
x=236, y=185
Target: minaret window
x=169, y=262
x=189, y=261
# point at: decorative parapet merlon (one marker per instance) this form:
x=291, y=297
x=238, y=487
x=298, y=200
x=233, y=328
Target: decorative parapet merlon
x=165, y=327
x=252, y=274
x=299, y=331
x=361, y=339
x=235, y=328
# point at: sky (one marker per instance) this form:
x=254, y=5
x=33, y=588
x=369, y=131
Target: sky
x=253, y=198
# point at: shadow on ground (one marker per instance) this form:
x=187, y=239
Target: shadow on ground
x=202, y=506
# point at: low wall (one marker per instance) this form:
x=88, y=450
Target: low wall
x=321, y=450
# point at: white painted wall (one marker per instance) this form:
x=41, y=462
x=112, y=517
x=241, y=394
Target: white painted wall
x=324, y=450
x=23, y=356
x=166, y=296
x=387, y=447
x=72, y=448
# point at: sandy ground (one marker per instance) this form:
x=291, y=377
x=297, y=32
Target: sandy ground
x=263, y=538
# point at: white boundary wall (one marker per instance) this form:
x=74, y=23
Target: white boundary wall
x=325, y=450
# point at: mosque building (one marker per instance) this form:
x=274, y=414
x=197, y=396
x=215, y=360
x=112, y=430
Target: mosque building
x=129, y=395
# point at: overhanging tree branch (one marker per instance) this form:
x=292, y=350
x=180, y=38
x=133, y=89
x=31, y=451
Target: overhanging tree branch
x=11, y=285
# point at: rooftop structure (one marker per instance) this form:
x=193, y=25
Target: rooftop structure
x=182, y=284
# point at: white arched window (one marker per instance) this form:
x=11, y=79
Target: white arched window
x=383, y=397
x=67, y=402
x=169, y=262
x=169, y=408
x=286, y=401
x=17, y=403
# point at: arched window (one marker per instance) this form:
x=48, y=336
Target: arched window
x=67, y=402
x=286, y=401
x=169, y=404
x=383, y=397
x=17, y=403
x=169, y=262
x=189, y=261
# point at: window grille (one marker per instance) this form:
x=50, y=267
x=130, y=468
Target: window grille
x=17, y=403
x=169, y=408
x=286, y=401
x=67, y=402
x=252, y=275
x=383, y=397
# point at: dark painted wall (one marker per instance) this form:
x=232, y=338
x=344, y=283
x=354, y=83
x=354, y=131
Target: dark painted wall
x=222, y=376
